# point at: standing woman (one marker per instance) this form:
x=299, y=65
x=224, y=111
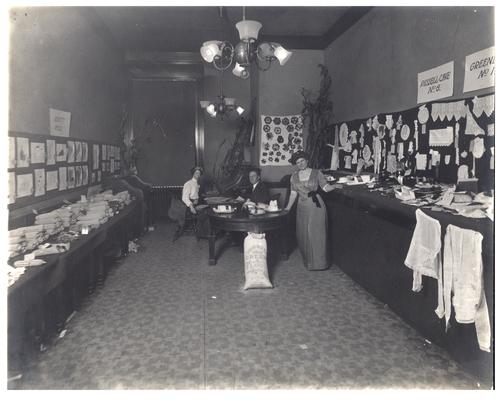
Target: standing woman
x=311, y=216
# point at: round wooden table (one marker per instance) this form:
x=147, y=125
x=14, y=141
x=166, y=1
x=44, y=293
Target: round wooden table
x=242, y=221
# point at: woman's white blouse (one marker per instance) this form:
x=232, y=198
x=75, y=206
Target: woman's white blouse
x=190, y=192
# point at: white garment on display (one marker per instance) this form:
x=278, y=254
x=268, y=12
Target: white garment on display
x=463, y=278
x=424, y=254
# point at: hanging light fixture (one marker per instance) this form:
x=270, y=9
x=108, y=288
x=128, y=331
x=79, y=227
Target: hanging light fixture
x=223, y=106
x=222, y=54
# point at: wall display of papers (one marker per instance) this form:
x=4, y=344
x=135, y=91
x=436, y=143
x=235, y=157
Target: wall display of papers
x=437, y=132
x=41, y=167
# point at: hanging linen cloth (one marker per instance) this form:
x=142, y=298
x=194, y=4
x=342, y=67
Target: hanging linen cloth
x=424, y=254
x=463, y=277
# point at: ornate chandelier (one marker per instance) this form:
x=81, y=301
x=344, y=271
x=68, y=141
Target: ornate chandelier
x=222, y=54
x=223, y=106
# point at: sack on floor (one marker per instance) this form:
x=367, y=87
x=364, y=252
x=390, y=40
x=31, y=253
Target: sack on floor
x=255, y=262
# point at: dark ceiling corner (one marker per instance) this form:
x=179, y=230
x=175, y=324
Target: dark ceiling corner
x=349, y=18
x=102, y=29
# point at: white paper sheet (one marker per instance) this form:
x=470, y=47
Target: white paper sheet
x=61, y=152
x=51, y=180
x=78, y=176
x=71, y=151
x=37, y=151
x=59, y=123
x=71, y=178
x=85, y=175
x=11, y=177
x=22, y=152
x=24, y=185
x=78, y=151
x=51, y=151
x=12, y=153
x=39, y=181
x=447, y=159
x=85, y=152
x=63, y=178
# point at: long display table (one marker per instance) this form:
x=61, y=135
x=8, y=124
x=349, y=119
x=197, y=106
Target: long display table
x=43, y=297
x=370, y=234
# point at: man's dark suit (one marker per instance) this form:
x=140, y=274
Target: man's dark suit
x=260, y=193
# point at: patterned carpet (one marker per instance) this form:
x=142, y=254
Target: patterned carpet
x=166, y=319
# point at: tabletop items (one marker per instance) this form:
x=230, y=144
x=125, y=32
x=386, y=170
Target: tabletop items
x=53, y=231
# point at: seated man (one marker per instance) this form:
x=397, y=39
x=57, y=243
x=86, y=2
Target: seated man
x=259, y=191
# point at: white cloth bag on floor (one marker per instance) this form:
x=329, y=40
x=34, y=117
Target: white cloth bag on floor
x=463, y=277
x=255, y=261
x=424, y=254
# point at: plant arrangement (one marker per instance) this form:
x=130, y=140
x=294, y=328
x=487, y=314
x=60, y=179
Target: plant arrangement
x=317, y=115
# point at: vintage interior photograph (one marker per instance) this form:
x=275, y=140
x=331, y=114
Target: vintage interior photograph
x=250, y=197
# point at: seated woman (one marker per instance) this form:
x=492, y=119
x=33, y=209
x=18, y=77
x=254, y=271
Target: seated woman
x=190, y=194
x=180, y=209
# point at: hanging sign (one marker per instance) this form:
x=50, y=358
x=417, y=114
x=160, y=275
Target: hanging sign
x=59, y=123
x=435, y=83
x=480, y=70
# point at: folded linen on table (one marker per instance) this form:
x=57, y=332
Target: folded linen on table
x=424, y=254
x=463, y=277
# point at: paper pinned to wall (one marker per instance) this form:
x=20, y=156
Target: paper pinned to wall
x=62, y=178
x=61, y=152
x=78, y=176
x=39, y=181
x=24, y=185
x=85, y=152
x=85, y=175
x=71, y=178
x=447, y=159
x=37, y=152
x=78, y=151
x=71, y=151
x=421, y=161
x=12, y=153
x=51, y=180
x=59, y=122
x=12, y=187
x=50, y=144
x=22, y=152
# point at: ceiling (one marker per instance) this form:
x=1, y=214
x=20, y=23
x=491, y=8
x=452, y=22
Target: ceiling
x=184, y=29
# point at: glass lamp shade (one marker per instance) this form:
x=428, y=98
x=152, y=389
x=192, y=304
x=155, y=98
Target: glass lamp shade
x=238, y=70
x=282, y=54
x=210, y=49
x=211, y=109
x=244, y=53
x=204, y=103
x=266, y=50
x=248, y=29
